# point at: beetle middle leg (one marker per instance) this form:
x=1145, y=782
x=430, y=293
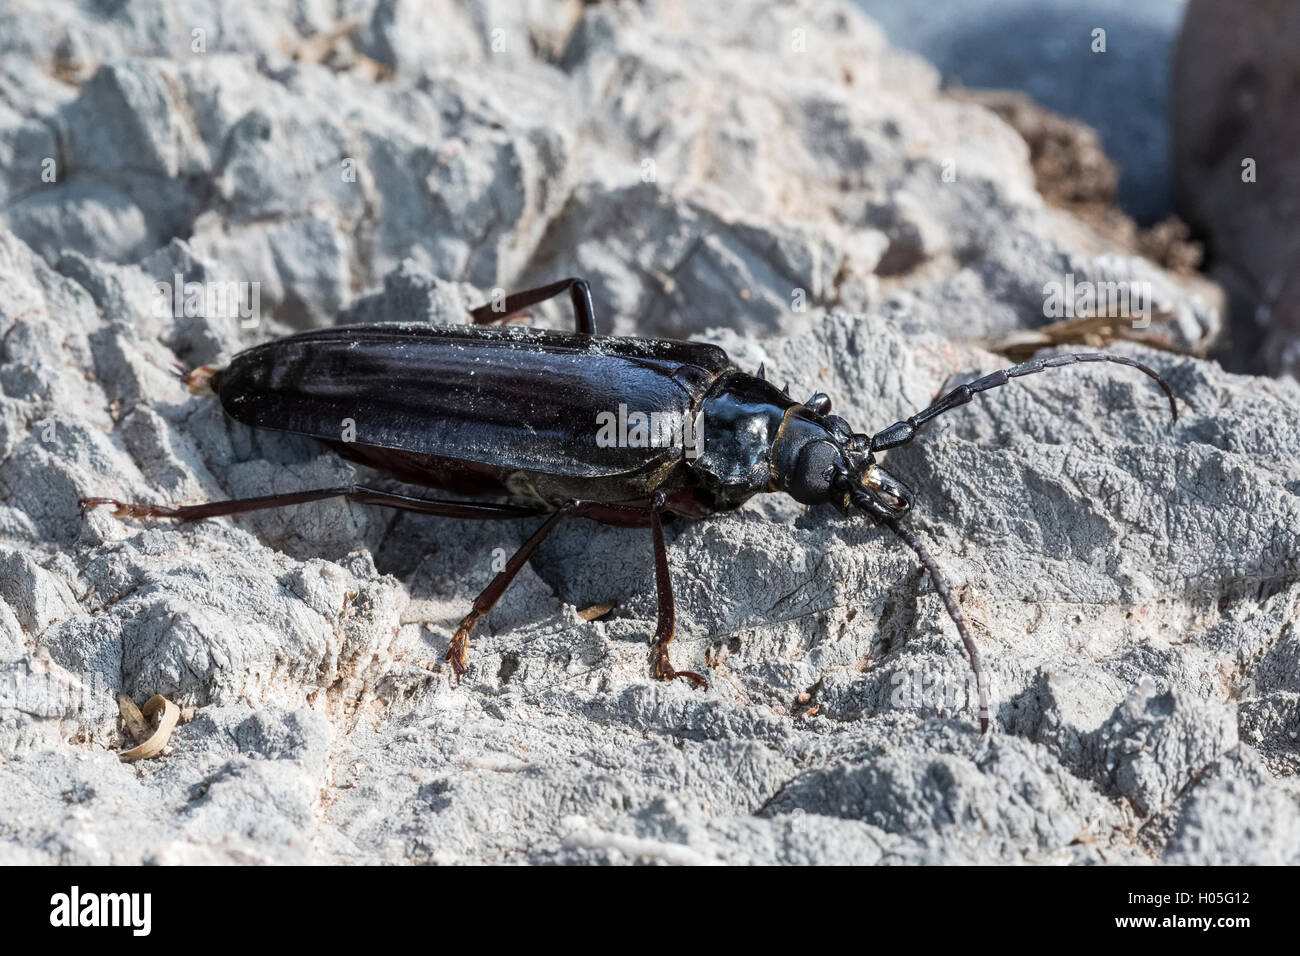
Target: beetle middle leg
x=660, y=665
x=628, y=515
x=489, y=596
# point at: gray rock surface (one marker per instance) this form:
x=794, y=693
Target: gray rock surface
x=1132, y=582
x=1045, y=48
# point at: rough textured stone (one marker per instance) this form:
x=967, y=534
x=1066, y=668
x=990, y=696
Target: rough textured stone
x=1133, y=582
x=1049, y=50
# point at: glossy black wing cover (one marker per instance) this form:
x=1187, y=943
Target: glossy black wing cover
x=514, y=398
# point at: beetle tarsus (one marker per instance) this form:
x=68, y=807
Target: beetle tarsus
x=459, y=648
x=127, y=509
x=85, y=504
x=199, y=380
x=662, y=669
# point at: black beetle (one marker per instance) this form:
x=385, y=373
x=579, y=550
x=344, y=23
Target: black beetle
x=516, y=416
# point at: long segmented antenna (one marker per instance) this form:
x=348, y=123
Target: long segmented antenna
x=912, y=540
x=900, y=433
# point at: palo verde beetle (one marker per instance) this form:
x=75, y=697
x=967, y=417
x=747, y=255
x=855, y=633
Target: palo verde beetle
x=509, y=417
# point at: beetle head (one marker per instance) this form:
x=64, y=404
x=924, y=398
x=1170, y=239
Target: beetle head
x=818, y=459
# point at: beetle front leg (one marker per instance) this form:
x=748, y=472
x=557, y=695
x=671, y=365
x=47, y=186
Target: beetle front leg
x=661, y=667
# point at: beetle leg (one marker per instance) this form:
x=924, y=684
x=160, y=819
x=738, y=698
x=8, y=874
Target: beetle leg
x=584, y=316
x=358, y=493
x=661, y=666
x=209, y=509
x=630, y=515
x=489, y=596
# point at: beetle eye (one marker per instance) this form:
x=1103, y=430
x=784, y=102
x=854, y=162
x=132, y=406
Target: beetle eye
x=820, y=403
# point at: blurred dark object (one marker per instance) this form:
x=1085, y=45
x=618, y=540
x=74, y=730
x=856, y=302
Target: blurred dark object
x=1073, y=172
x=1047, y=49
x=1236, y=167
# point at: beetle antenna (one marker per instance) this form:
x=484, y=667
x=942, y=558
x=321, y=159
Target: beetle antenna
x=913, y=541
x=900, y=433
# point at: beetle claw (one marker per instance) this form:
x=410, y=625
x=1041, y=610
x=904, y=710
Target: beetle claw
x=663, y=669
x=459, y=648
x=126, y=509
x=694, y=679
x=120, y=509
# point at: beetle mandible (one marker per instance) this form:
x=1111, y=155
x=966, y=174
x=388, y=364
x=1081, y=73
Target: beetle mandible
x=442, y=406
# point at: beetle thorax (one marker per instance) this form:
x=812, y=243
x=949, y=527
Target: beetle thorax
x=741, y=417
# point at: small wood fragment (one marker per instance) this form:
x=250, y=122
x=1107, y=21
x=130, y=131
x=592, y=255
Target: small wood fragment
x=150, y=741
x=136, y=725
x=317, y=49
x=596, y=611
x=1092, y=331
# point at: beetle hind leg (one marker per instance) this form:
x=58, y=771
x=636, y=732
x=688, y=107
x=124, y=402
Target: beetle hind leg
x=486, y=511
x=584, y=316
x=209, y=509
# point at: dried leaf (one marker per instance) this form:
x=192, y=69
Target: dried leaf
x=157, y=740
